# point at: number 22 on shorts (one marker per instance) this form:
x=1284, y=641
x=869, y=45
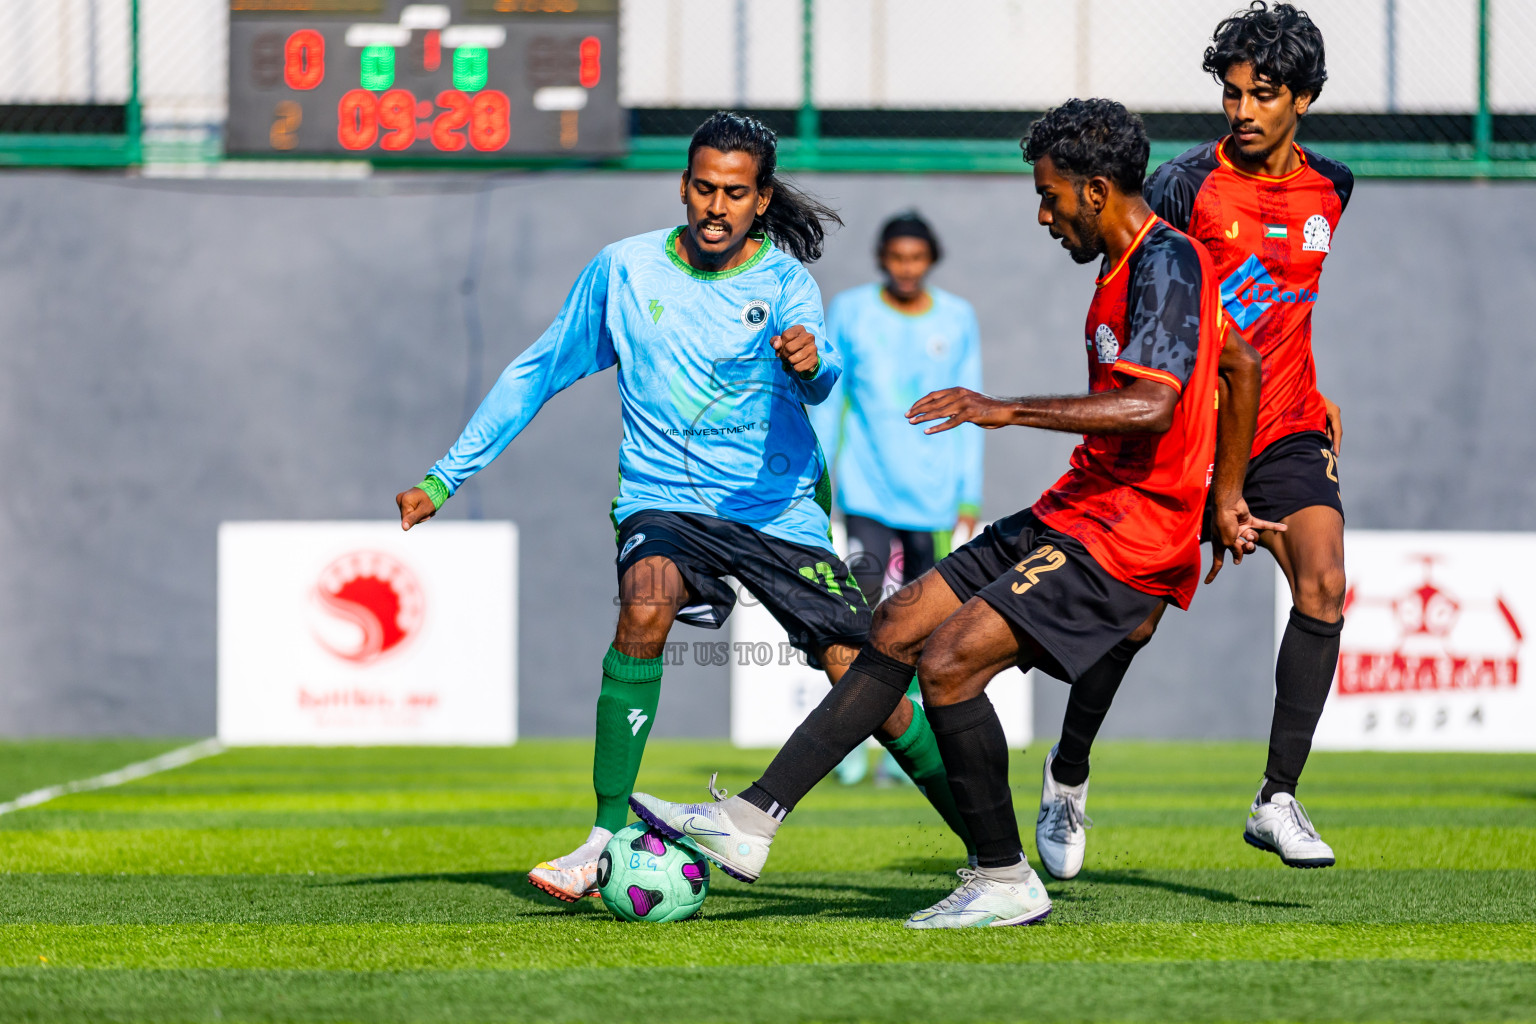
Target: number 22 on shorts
x=1048, y=559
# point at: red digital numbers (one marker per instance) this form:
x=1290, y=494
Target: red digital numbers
x=591, y=62
x=445, y=135
x=397, y=113
x=487, y=115
x=490, y=120
x=304, y=59
x=357, y=120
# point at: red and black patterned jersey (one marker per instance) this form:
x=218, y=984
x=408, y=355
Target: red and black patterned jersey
x=1268, y=237
x=1135, y=500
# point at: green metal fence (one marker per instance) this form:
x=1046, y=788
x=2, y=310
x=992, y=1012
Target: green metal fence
x=1489, y=136
x=83, y=131
x=1436, y=152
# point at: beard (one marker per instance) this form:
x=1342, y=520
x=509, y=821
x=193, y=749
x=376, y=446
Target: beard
x=1090, y=240
x=1255, y=154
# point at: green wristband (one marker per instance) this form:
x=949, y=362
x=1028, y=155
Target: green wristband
x=436, y=490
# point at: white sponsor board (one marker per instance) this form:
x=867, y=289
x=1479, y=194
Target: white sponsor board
x=1432, y=653
x=772, y=689
x=358, y=633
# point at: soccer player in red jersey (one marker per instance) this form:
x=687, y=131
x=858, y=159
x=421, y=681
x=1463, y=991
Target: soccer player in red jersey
x=1059, y=584
x=1266, y=210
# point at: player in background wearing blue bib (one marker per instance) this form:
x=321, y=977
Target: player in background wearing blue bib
x=716, y=330
x=902, y=493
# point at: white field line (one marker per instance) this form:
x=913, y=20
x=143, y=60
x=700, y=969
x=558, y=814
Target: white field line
x=165, y=762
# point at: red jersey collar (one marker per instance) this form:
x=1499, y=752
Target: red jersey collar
x=1226, y=161
x=1142, y=233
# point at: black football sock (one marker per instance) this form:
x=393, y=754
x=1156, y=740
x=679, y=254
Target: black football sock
x=858, y=705
x=1309, y=653
x=1088, y=703
x=976, y=759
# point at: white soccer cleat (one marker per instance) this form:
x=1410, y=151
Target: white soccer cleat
x=982, y=902
x=1061, y=829
x=740, y=852
x=573, y=876
x=1282, y=827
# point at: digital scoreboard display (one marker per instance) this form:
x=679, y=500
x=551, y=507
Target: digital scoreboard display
x=461, y=79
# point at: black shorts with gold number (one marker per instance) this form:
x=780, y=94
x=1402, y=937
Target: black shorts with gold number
x=1049, y=587
x=1293, y=473
x=809, y=591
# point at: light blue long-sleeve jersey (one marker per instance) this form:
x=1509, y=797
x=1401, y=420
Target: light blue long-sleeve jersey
x=713, y=424
x=884, y=467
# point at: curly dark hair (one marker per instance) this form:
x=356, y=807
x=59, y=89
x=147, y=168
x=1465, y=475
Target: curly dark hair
x=1282, y=43
x=795, y=220
x=1085, y=138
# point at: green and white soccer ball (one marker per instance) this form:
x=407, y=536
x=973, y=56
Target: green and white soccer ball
x=644, y=876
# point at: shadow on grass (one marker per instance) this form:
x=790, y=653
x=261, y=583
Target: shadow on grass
x=1138, y=880
x=513, y=883
x=727, y=902
x=834, y=900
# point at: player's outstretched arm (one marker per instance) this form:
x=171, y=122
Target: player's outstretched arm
x=1141, y=407
x=576, y=345
x=415, y=507
x=1240, y=373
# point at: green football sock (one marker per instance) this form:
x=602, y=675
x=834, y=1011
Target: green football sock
x=918, y=754
x=626, y=710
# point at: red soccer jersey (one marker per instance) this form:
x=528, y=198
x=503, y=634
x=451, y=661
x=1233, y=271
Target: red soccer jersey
x=1268, y=238
x=1135, y=501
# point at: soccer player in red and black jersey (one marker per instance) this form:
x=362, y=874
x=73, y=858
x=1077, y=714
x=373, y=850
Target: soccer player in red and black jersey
x=1266, y=209
x=1060, y=584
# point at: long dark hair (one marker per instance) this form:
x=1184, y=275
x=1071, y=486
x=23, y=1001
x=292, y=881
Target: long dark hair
x=795, y=220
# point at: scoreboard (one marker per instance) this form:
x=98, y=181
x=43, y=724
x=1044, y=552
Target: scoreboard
x=458, y=79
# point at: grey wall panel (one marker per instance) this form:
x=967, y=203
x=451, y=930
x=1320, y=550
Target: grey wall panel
x=175, y=355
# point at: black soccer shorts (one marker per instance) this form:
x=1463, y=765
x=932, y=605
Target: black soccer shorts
x=1049, y=587
x=809, y=591
x=1293, y=473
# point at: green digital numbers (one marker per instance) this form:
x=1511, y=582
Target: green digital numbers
x=378, y=63
x=471, y=68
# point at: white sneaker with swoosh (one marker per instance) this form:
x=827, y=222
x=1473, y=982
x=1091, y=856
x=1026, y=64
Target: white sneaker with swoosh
x=982, y=902
x=573, y=876
x=1060, y=828
x=1282, y=827
x=739, y=852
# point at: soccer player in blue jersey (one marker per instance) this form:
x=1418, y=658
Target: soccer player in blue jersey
x=716, y=330
x=902, y=492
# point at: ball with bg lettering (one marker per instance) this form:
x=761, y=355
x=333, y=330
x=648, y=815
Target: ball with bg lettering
x=644, y=876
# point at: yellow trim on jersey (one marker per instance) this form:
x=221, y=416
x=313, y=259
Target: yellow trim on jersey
x=1131, y=369
x=1101, y=282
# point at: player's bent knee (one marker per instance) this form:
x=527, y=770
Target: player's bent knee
x=944, y=674
x=893, y=632
x=1321, y=594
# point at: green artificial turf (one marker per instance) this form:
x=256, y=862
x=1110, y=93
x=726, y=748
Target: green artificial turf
x=388, y=884
x=27, y=765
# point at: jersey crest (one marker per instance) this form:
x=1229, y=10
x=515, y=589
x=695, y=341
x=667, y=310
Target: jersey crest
x=1316, y=234
x=754, y=315
x=1106, y=344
